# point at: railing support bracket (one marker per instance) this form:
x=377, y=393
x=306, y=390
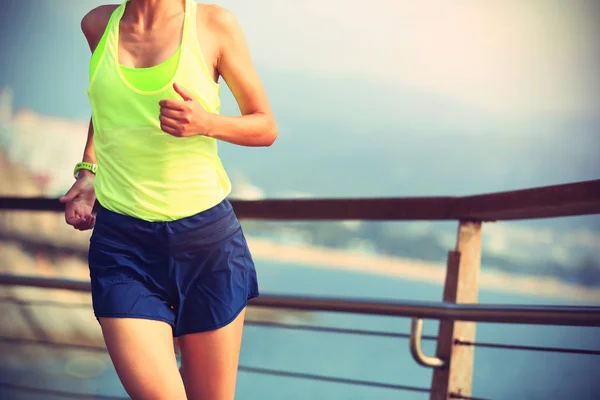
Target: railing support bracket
x=416, y=334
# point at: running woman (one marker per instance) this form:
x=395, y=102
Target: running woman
x=167, y=255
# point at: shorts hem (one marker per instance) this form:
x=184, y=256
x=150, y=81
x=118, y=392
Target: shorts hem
x=222, y=324
x=136, y=316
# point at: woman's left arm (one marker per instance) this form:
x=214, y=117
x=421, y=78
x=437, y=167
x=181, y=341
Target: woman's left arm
x=256, y=126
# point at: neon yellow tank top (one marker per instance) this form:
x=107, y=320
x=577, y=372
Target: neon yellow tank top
x=142, y=171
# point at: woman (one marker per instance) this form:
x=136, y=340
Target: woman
x=167, y=256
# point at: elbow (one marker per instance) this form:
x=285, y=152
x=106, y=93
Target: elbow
x=270, y=138
x=270, y=134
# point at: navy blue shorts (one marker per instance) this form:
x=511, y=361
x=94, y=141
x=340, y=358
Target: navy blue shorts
x=195, y=273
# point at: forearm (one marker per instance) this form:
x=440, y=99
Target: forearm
x=88, y=153
x=256, y=129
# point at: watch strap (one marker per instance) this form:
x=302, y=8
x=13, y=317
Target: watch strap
x=84, y=165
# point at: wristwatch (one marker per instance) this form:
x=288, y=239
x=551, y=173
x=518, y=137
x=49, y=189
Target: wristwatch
x=84, y=165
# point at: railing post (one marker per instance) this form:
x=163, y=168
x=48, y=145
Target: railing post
x=461, y=286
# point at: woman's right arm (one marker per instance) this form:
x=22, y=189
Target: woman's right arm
x=81, y=196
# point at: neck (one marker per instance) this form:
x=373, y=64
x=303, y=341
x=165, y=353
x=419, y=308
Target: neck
x=148, y=12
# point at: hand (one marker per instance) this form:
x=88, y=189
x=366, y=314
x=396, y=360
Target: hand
x=183, y=118
x=80, y=200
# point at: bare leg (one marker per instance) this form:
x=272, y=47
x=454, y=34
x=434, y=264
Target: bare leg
x=142, y=353
x=210, y=361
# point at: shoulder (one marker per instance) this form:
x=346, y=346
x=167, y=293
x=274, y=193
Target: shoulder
x=93, y=24
x=218, y=20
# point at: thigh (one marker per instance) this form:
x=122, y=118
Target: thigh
x=210, y=361
x=142, y=353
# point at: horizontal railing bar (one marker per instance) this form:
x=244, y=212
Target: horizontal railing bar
x=44, y=303
x=314, y=377
x=57, y=393
x=462, y=397
x=414, y=209
x=580, y=198
x=327, y=329
x=48, y=343
x=514, y=314
x=544, y=349
x=45, y=283
x=268, y=324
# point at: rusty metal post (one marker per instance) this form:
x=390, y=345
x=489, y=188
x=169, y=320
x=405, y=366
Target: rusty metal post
x=461, y=286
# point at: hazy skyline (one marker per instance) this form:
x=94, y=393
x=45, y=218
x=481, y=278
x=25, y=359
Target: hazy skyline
x=508, y=57
x=505, y=58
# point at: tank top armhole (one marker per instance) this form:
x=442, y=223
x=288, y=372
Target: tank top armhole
x=100, y=50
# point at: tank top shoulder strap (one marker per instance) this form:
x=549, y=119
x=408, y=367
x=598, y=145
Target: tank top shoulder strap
x=112, y=29
x=190, y=14
x=191, y=41
x=105, y=44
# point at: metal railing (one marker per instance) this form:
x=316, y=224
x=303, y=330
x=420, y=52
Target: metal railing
x=554, y=201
